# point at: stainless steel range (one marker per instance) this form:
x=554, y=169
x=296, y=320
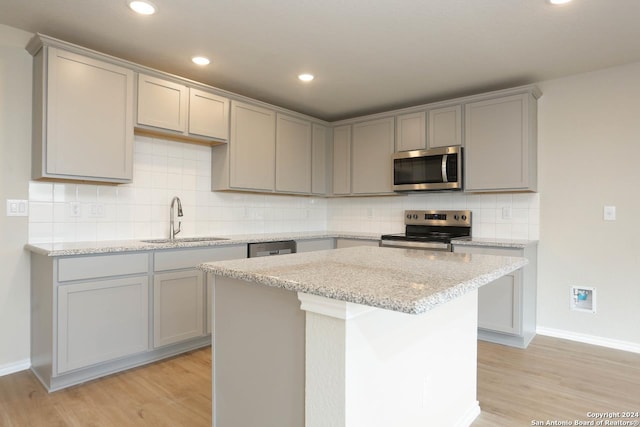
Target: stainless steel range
x=430, y=230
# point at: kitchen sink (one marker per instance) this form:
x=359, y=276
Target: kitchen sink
x=185, y=240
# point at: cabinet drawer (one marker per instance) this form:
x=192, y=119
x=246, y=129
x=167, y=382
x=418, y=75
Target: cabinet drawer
x=189, y=258
x=92, y=267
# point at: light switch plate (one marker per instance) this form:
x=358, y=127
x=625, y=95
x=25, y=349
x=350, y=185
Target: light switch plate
x=17, y=207
x=609, y=213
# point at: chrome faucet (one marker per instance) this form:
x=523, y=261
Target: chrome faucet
x=172, y=230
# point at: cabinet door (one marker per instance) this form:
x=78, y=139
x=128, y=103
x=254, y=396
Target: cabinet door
x=162, y=104
x=293, y=155
x=410, y=132
x=100, y=321
x=499, y=305
x=445, y=127
x=208, y=115
x=89, y=115
x=178, y=307
x=373, y=147
x=253, y=147
x=319, y=160
x=342, y=160
x=499, y=145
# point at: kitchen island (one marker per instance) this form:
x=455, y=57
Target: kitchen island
x=363, y=336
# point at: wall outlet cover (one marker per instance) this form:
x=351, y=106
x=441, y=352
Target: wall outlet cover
x=609, y=213
x=17, y=207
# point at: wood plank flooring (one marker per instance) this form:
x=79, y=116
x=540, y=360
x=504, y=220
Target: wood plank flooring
x=552, y=380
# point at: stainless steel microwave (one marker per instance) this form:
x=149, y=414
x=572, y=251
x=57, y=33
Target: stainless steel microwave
x=423, y=170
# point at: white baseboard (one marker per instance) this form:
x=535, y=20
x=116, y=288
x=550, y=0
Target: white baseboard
x=590, y=339
x=470, y=416
x=14, y=367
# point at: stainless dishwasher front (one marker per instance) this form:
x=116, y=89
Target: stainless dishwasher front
x=271, y=248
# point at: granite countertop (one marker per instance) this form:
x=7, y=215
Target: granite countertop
x=111, y=246
x=407, y=281
x=495, y=243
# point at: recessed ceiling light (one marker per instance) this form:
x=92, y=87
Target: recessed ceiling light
x=306, y=77
x=200, y=60
x=558, y=2
x=142, y=7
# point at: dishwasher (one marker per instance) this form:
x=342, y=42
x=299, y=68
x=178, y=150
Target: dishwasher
x=282, y=247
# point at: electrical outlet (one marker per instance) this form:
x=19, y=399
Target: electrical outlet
x=507, y=213
x=74, y=209
x=609, y=213
x=96, y=210
x=17, y=207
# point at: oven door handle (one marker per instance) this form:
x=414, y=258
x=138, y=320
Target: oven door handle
x=438, y=246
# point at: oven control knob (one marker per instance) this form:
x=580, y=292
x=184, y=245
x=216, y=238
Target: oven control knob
x=408, y=216
x=415, y=216
x=456, y=217
x=464, y=217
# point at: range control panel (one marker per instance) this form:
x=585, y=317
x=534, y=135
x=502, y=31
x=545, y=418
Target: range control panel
x=443, y=218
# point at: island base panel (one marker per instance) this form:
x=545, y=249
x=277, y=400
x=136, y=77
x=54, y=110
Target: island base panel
x=258, y=355
x=381, y=368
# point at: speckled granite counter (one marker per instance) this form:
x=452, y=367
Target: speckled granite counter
x=401, y=280
x=109, y=246
x=495, y=243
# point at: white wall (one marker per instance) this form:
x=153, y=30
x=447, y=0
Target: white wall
x=589, y=146
x=15, y=161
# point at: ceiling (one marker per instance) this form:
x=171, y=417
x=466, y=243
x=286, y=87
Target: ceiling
x=367, y=56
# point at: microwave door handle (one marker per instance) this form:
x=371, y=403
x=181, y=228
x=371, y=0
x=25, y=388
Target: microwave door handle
x=444, y=168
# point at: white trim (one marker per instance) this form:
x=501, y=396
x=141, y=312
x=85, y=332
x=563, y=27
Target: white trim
x=470, y=416
x=331, y=307
x=590, y=339
x=11, y=368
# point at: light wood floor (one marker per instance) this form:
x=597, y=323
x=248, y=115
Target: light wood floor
x=552, y=380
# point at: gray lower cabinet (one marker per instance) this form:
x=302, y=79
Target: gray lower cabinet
x=349, y=243
x=101, y=320
x=93, y=315
x=181, y=295
x=507, y=306
x=315, y=245
x=178, y=307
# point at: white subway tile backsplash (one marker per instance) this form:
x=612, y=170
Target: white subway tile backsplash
x=40, y=191
x=164, y=169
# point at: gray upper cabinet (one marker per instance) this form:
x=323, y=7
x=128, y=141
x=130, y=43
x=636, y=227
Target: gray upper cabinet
x=411, y=132
x=500, y=144
x=342, y=160
x=372, y=149
x=320, y=161
x=162, y=103
x=293, y=155
x=445, y=126
x=248, y=162
x=253, y=147
x=208, y=115
x=166, y=105
x=82, y=116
